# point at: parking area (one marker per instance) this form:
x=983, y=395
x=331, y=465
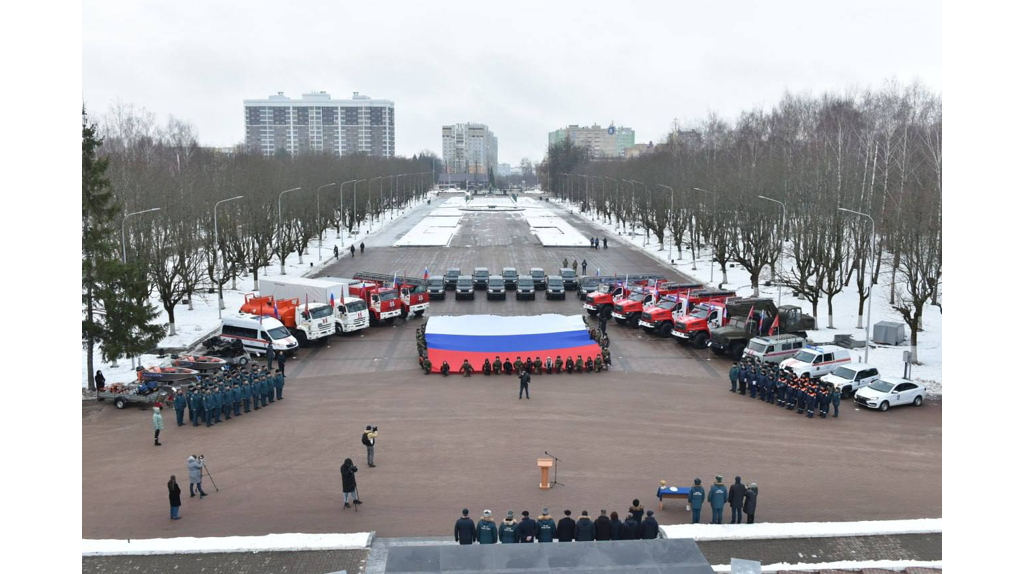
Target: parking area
x=662, y=412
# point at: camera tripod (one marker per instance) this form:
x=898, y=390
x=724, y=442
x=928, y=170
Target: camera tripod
x=206, y=470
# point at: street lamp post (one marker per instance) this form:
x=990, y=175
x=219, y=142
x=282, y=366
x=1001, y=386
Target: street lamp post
x=216, y=260
x=714, y=213
x=871, y=283
x=124, y=248
x=782, y=232
x=672, y=211
x=320, y=241
x=280, y=225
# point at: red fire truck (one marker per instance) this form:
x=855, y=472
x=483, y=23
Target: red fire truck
x=602, y=301
x=629, y=309
x=707, y=310
x=412, y=291
x=384, y=302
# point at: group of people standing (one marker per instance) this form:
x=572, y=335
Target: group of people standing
x=742, y=499
x=636, y=526
x=771, y=384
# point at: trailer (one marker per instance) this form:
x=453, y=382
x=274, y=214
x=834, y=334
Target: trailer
x=140, y=394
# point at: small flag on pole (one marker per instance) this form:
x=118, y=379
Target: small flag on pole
x=332, y=300
x=775, y=326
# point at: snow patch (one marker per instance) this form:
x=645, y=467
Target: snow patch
x=854, y=565
x=189, y=545
x=772, y=530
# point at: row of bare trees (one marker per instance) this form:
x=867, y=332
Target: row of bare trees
x=183, y=245
x=740, y=190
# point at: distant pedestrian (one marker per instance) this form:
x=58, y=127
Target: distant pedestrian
x=352, y=250
x=566, y=530
x=836, y=398
x=736, y=493
x=565, y=263
x=750, y=502
x=527, y=529
x=649, y=527
x=101, y=382
x=574, y=265
x=270, y=356
x=602, y=526
x=174, y=493
x=486, y=530
x=282, y=358
x=158, y=424
x=362, y=247
x=584, y=266
x=602, y=323
x=336, y=252
x=195, y=476
x=369, y=440
x=465, y=530
x=606, y=243
x=696, y=499
x=717, y=496
x=524, y=384
x=584, y=528
x=615, y=526
x=734, y=373
x=179, y=407
x=348, y=483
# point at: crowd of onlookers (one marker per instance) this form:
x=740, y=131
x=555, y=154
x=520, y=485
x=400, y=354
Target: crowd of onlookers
x=637, y=525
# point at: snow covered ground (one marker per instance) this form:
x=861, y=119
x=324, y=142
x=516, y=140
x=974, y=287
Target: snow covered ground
x=551, y=229
x=888, y=359
x=189, y=545
x=775, y=530
x=194, y=325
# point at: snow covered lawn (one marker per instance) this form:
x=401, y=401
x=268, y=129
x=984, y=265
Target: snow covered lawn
x=774, y=530
x=888, y=359
x=189, y=545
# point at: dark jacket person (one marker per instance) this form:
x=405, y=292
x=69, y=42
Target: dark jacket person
x=527, y=528
x=584, y=528
x=736, y=493
x=566, y=528
x=465, y=530
x=603, y=527
x=650, y=526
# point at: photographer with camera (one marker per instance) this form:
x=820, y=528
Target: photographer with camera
x=369, y=439
x=195, y=476
x=348, y=482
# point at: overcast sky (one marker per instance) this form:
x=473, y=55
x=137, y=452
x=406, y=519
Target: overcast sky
x=523, y=68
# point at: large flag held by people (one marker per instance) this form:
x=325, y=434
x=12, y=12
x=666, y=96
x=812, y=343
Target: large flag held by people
x=479, y=337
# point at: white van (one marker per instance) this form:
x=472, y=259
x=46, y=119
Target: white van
x=773, y=349
x=257, y=335
x=817, y=361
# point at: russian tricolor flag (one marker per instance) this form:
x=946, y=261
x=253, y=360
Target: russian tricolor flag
x=479, y=337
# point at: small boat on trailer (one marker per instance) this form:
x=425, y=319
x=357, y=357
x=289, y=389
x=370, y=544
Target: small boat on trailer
x=199, y=362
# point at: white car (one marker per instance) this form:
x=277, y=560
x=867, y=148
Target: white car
x=890, y=392
x=817, y=361
x=851, y=378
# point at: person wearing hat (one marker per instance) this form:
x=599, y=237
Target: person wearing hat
x=195, y=406
x=566, y=530
x=750, y=502
x=741, y=377
x=649, y=528
x=736, y=493
x=836, y=398
x=717, y=496
x=179, y=407
x=445, y=368
x=208, y=405
x=486, y=530
x=486, y=368
x=246, y=390
x=584, y=528
x=465, y=530
x=734, y=373
x=279, y=385
x=524, y=383
x=369, y=440
x=558, y=364
x=527, y=528
x=537, y=366
x=545, y=526
x=508, y=532
x=696, y=499
x=158, y=424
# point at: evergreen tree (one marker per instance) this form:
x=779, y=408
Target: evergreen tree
x=99, y=208
x=124, y=299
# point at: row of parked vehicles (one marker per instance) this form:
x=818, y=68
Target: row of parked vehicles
x=525, y=285
x=743, y=327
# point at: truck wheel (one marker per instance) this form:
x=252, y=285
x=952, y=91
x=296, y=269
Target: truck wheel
x=884, y=406
x=591, y=312
x=243, y=361
x=120, y=402
x=918, y=400
x=420, y=312
x=736, y=350
x=405, y=314
x=301, y=336
x=620, y=321
x=665, y=329
x=717, y=351
x=846, y=392
x=700, y=340
x=389, y=320
x=634, y=321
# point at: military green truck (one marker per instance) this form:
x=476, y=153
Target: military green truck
x=730, y=339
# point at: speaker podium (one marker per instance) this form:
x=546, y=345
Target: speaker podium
x=545, y=465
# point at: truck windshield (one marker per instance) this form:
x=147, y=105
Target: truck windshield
x=388, y=295
x=756, y=347
x=665, y=304
x=637, y=296
x=805, y=357
x=278, y=333
x=321, y=312
x=700, y=313
x=419, y=289
x=845, y=373
x=605, y=288
x=354, y=306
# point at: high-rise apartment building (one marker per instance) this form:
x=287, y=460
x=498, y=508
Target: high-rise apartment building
x=608, y=142
x=469, y=149
x=318, y=124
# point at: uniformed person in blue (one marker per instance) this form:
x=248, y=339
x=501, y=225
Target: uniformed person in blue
x=246, y=394
x=209, y=405
x=236, y=398
x=743, y=377
x=734, y=374
x=279, y=385
x=195, y=401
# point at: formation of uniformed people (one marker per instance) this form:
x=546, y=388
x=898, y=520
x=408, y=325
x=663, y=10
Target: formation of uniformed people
x=784, y=388
x=229, y=394
x=545, y=529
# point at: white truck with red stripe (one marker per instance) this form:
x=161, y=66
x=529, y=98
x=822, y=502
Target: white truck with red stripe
x=817, y=361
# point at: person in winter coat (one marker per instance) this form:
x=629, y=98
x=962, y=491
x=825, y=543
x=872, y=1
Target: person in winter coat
x=158, y=425
x=524, y=383
x=734, y=373
x=741, y=375
x=717, y=497
x=558, y=364
x=565, y=262
x=195, y=476
x=507, y=531
x=649, y=528
x=696, y=499
x=584, y=528
x=545, y=527
x=282, y=358
x=174, y=493
x=445, y=368
x=836, y=398
x=736, y=493
x=527, y=529
x=279, y=385
x=615, y=526
x=750, y=502
x=579, y=363
x=486, y=530
x=486, y=367
x=101, y=382
x=584, y=266
x=574, y=265
x=602, y=526
x=508, y=366
x=629, y=528
x=270, y=356
x=466, y=369
x=566, y=530
x=362, y=247
x=369, y=440
x=637, y=511
x=465, y=530
x=570, y=366
x=348, y=482
x=549, y=365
